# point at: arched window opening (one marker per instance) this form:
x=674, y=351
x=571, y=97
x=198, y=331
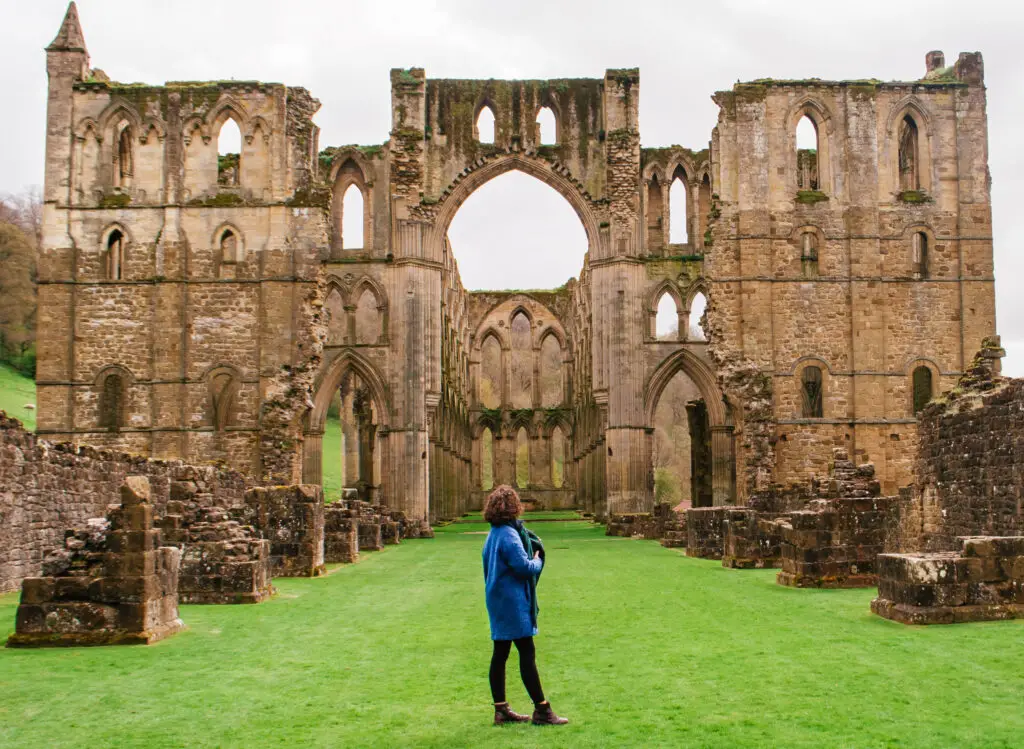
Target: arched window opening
x=681, y=447
x=547, y=127
x=124, y=158
x=229, y=153
x=521, y=371
x=230, y=247
x=655, y=214
x=910, y=179
x=352, y=208
x=115, y=255
x=810, y=379
x=919, y=255
x=809, y=254
x=112, y=403
x=487, y=460
x=517, y=232
x=367, y=318
x=666, y=321
x=678, y=209
x=223, y=393
x=807, y=154
x=522, y=458
x=704, y=208
x=490, y=373
x=551, y=373
x=485, y=125
x=557, y=458
x=922, y=381
x=695, y=325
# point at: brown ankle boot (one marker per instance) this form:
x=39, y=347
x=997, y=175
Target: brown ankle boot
x=543, y=715
x=504, y=714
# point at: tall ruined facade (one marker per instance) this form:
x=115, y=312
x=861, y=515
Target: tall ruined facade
x=207, y=306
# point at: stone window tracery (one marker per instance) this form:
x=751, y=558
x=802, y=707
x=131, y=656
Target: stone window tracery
x=811, y=389
x=655, y=214
x=521, y=369
x=551, y=372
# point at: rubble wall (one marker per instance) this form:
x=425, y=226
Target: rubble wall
x=47, y=488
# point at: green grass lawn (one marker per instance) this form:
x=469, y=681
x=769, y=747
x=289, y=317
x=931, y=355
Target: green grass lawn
x=16, y=391
x=639, y=646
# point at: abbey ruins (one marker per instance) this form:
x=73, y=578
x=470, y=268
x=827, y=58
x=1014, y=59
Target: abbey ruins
x=201, y=314
x=205, y=307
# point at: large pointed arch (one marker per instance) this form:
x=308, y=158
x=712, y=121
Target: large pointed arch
x=697, y=370
x=329, y=380
x=571, y=189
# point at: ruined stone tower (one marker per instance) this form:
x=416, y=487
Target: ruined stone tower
x=206, y=305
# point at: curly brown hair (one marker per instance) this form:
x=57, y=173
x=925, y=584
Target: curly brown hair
x=502, y=506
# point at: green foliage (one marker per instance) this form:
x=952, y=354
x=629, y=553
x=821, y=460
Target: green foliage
x=220, y=200
x=666, y=486
x=914, y=196
x=640, y=646
x=810, y=197
x=116, y=200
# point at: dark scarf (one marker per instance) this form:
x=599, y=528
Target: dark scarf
x=532, y=543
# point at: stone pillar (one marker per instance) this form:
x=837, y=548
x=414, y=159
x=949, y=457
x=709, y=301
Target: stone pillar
x=723, y=477
x=312, y=458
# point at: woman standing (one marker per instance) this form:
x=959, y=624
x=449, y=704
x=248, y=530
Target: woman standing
x=511, y=569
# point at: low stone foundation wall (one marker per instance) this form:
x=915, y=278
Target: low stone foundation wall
x=835, y=543
x=47, y=488
x=292, y=519
x=705, y=531
x=984, y=581
x=112, y=583
x=341, y=535
x=752, y=540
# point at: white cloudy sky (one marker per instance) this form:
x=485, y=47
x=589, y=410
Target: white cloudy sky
x=516, y=232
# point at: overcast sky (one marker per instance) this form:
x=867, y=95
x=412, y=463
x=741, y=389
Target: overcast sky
x=516, y=232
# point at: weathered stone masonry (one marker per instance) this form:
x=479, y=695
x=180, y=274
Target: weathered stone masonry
x=200, y=307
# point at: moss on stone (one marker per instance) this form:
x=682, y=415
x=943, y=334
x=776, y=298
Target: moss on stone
x=810, y=197
x=914, y=196
x=220, y=200
x=116, y=200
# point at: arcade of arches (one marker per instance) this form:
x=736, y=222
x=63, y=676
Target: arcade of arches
x=742, y=308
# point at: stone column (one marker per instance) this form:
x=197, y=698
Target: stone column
x=723, y=465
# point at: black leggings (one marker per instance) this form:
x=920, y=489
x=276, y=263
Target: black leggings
x=527, y=668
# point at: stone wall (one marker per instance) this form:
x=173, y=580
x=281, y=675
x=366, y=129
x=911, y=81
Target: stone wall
x=47, y=488
x=292, y=519
x=970, y=468
x=112, y=583
x=983, y=581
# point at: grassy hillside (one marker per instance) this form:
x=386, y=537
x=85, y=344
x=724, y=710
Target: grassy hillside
x=16, y=391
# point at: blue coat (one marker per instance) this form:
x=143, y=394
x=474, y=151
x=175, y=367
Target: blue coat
x=507, y=574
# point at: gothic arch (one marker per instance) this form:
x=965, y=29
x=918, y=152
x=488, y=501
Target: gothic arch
x=193, y=125
x=150, y=124
x=485, y=333
x=228, y=108
x=329, y=379
x=697, y=370
x=567, y=186
x=551, y=330
x=911, y=105
x=254, y=124
x=117, y=110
